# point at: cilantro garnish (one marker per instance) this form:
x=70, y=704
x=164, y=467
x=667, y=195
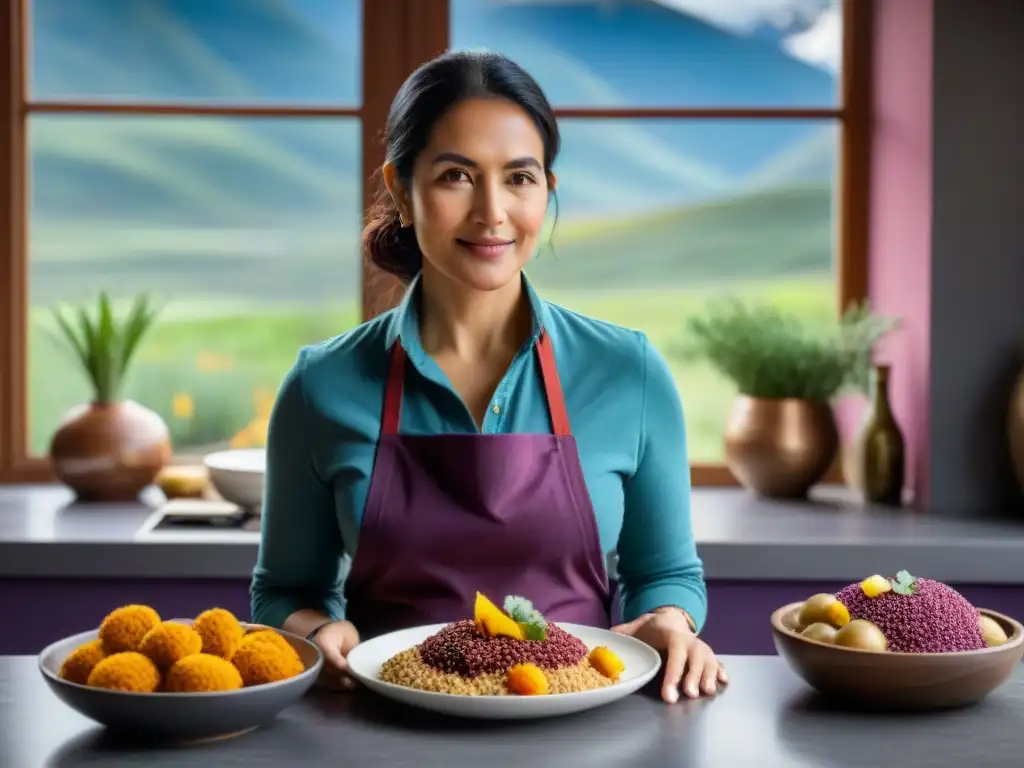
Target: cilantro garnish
x=904, y=583
x=534, y=625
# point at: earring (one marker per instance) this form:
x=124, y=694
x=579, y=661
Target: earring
x=403, y=222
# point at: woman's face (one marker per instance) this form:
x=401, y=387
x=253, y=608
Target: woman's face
x=479, y=194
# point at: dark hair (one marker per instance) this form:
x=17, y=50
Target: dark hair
x=430, y=92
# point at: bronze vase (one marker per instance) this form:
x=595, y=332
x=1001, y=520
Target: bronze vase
x=780, y=448
x=879, y=453
x=1015, y=429
x=110, y=451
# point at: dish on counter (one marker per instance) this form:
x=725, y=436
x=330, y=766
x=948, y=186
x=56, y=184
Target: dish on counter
x=901, y=613
x=514, y=651
x=507, y=662
x=898, y=643
x=135, y=651
x=181, y=679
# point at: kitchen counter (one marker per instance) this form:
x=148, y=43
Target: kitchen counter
x=766, y=718
x=44, y=534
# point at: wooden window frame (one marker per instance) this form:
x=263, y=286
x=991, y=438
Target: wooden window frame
x=398, y=35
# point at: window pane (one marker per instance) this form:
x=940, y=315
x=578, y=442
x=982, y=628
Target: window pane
x=656, y=217
x=665, y=53
x=221, y=51
x=245, y=230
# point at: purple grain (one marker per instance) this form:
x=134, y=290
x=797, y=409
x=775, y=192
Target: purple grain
x=936, y=619
x=460, y=648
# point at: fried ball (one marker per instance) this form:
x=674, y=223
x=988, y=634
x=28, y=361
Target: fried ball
x=126, y=671
x=221, y=632
x=170, y=641
x=202, y=672
x=79, y=663
x=123, y=628
x=264, y=662
x=272, y=637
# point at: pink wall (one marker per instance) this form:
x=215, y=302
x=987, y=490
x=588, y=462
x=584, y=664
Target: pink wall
x=900, y=223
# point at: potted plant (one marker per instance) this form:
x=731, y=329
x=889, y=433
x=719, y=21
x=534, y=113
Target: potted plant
x=108, y=449
x=781, y=436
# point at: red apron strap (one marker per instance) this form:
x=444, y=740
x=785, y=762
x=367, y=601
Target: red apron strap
x=393, y=391
x=549, y=373
x=552, y=386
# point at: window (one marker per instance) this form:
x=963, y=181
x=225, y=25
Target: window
x=219, y=156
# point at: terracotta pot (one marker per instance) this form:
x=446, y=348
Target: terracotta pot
x=110, y=451
x=780, y=448
x=1015, y=429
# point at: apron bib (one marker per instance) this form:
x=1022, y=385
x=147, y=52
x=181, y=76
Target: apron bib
x=449, y=515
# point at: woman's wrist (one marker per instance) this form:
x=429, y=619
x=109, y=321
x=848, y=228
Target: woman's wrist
x=307, y=622
x=676, y=609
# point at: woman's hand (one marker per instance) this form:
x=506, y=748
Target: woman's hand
x=669, y=630
x=335, y=641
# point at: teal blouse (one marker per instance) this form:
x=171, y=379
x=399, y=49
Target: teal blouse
x=625, y=414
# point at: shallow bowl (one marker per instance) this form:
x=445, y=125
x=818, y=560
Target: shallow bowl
x=902, y=681
x=183, y=717
x=238, y=476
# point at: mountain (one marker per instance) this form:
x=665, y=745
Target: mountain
x=271, y=208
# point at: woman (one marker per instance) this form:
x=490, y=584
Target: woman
x=477, y=437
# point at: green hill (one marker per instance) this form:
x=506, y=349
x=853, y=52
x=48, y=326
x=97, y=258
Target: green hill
x=769, y=235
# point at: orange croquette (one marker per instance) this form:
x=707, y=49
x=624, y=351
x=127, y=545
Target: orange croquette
x=123, y=628
x=126, y=671
x=264, y=662
x=80, y=662
x=272, y=637
x=221, y=632
x=202, y=672
x=170, y=641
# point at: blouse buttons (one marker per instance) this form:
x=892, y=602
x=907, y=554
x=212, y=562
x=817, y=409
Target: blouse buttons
x=496, y=409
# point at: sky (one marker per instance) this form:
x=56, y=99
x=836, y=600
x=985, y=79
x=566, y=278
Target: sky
x=811, y=30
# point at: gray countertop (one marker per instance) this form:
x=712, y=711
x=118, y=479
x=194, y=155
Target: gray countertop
x=766, y=718
x=43, y=534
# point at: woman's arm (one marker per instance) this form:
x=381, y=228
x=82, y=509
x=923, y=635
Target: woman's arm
x=658, y=561
x=296, y=578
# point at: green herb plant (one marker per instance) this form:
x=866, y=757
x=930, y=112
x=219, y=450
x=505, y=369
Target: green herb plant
x=521, y=610
x=771, y=354
x=904, y=583
x=102, y=345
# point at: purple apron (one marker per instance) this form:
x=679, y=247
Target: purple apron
x=452, y=514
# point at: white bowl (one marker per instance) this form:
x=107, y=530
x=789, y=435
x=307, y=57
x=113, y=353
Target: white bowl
x=641, y=661
x=179, y=716
x=238, y=476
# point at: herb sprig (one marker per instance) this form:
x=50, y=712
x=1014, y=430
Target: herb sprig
x=904, y=583
x=534, y=625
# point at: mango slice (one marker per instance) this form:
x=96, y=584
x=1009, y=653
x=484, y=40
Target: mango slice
x=605, y=661
x=876, y=585
x=492, y=621
x=526, y=680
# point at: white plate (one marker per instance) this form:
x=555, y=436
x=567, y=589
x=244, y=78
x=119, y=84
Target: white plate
x=642, y=664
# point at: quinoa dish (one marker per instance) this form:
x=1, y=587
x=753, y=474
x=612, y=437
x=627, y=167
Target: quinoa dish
x=514, y=651
x=138, y=652
x=901, y=614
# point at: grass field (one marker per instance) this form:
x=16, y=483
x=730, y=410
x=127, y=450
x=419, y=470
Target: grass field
x=212, y=370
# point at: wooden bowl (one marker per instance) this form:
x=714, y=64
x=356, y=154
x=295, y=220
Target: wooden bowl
x=898, y=681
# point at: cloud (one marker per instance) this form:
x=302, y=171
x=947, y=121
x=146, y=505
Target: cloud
x=822, y=43
x=812, y=29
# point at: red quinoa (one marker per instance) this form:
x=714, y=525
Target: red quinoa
x=460, y=648
x=935, y=619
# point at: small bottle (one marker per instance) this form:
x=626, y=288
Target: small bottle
x=881, y=447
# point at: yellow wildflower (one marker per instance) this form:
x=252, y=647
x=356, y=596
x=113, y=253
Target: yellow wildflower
x=182, y=406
